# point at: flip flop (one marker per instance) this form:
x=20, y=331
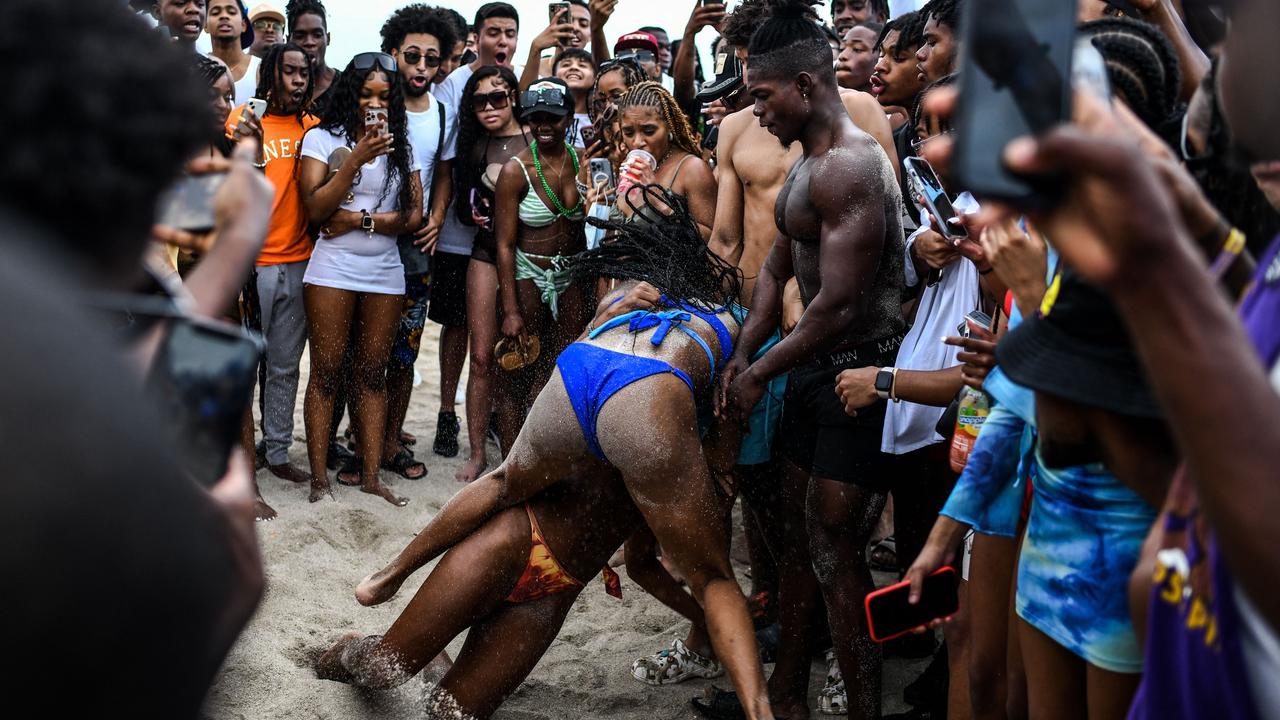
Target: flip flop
x=402, y=463
x=353, y=465
x=720, y=705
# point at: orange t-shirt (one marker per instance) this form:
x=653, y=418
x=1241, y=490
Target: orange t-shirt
x=287, y=239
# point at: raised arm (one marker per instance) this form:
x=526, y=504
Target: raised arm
x=684, y=65
x=601, y=11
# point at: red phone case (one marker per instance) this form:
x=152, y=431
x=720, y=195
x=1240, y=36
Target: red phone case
x=871, y=625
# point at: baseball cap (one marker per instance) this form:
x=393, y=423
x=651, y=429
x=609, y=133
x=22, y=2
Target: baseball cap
x=246, y=37
x=728, y=78
x=638, y=40
x=548, y=95
x=265, y=11
x=1078, y=348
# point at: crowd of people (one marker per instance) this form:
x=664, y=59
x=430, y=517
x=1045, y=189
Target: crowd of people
x=676, y=289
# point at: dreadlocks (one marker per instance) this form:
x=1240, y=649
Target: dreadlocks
x=650, y=94
x=665, y=250
x=790, y=41
x=945, y=12
x=297, y=8
x=269, y=76
x=208, y=69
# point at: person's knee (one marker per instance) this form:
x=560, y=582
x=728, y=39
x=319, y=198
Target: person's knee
x=642, y=567
x=481, y=360
x=372, y=376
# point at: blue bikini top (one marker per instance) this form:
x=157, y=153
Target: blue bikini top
x=663, y=321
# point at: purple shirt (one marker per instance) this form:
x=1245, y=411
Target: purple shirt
x=1195, y=660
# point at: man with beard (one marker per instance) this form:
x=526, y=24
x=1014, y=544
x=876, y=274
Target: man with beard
x=838, y=231
x=268, y=29
x=497, y=26
x=286, y=83
x=417, y=36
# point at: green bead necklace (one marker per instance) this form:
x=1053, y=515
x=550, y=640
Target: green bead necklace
x=555, y=199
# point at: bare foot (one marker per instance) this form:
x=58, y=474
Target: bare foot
x=381, y=490
x=288, y=472
x=379, y=587
x=473, y=469
x=263, y=511
x=329, y=664
x=319, y=488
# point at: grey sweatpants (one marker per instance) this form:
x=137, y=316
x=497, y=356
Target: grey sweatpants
x=284, y=327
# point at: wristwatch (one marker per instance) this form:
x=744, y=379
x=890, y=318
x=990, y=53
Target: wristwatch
x=884, y=382
x=366, y=221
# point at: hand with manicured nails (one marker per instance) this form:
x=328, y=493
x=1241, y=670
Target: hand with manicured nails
x=375, y=143
x=978, y=354
x=1019, y=259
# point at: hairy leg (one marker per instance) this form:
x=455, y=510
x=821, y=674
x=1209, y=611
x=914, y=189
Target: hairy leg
x=990, y=578
x=482, y=324
x=549, y=448
x=1056, y=678
x=841, y=517
x=671, y=485
x=329, y=318
x=377, y=318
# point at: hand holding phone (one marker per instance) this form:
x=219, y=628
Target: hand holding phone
x=890, y=613
x=930, y=191
x=257, y=106
x=588, y=133
x=600, y=170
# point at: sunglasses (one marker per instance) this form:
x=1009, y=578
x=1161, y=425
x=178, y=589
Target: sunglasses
x=642, y=56
x=498, y=99
x=543, y=96
x=265, y=25
x=413, y=57
x=366, y=60
x=620, y=61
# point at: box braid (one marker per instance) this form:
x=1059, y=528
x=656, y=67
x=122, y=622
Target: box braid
x=1141, y=65
x=652, y=95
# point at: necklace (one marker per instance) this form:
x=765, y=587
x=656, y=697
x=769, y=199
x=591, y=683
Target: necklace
x=546, y=186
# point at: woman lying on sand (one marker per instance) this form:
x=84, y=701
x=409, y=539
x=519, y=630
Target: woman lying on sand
x=510, y=572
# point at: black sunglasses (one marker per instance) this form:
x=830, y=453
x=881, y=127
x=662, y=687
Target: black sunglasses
x=620, y=61
x=642, y=56
x=413, y=57
x=543, y=96
x=366, y=60
x=497, y=100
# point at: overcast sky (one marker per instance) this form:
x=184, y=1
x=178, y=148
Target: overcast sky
x=354, y=24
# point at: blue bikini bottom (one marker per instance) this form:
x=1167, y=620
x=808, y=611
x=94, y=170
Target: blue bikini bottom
x=593, y=374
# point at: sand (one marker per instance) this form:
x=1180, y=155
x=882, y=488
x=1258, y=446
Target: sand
x=315, y=554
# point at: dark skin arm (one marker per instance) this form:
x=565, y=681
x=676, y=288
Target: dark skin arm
x=601, y=11
x=322, y=198
x=683, y=67
x=511, y=183
x=441, y=191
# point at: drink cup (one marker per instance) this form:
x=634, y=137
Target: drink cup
x=631, y=172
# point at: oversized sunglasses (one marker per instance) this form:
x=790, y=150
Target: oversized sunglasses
x=413, y=57
x=642, y=56
x=366, y=60
x=265, y=25
x=543, y=96
x=497, y=100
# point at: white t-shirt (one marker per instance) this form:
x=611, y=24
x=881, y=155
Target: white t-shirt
x=455, y=238
x=574, y=136
x=248, y=85
x=909, y=426
x=357, y=261
x=425, y=134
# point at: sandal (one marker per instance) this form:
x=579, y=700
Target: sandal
x=719, y=704
x=402, y=463
x=353, y=465
x=832, y=699
x=337, y=456
x=408, y=439
x=675, y=664
x=884, y=555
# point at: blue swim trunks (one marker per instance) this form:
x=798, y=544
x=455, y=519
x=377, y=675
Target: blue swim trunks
x=757, y=444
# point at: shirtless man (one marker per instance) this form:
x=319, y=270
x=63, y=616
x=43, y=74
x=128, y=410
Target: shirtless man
x=840, y=235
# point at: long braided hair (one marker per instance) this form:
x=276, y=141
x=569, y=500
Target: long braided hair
x=666, y=251
x=1142, y=67
x=650, y=94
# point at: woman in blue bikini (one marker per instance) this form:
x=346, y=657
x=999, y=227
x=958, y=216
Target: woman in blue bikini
x=624, y=401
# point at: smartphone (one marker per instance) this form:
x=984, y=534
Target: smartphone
x=188, y=203
x=468, y=57
x=480, y=206
x=557, y=12
x=977, y=317
x=712, y=138
x=204, y=375
x=588, y=133
x=1017, y=56
x=600, y=169
x=889, y=615
x=926, y=183
x=376, y=117
x=258, y=106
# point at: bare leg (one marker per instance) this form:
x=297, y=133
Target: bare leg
x=399, y=392
x=670, y=483
x=1016, y=686
x=1056, y=678
x=1110, y=693
x=378, y=317
x=482, y=323
x=841, y=517
x=990, y=578
x=545, y=452
x=329, y=319
x=643, y=567
x=453, y=353
x=957, y=634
